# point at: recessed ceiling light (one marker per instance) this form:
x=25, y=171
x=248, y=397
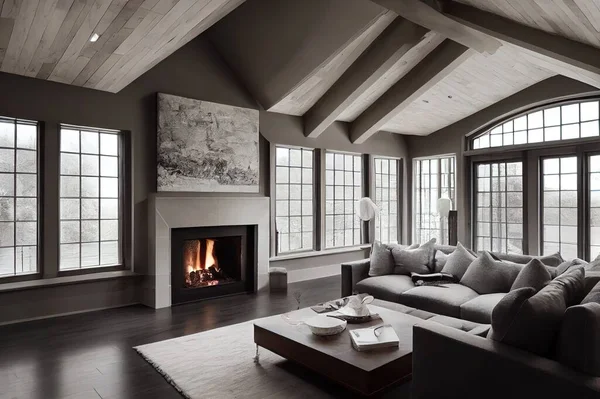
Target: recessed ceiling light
x=94, y=37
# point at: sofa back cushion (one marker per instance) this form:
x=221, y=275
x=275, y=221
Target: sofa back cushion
x=488, y=276
x=548, y=260
x=531, y=321
x=458, y=261
x=381, y=260
x=593, y=295
x=414, y=260
x=534, y=275
x=445, y=249
x=566, y=265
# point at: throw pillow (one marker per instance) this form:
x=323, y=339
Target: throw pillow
x=417, y=260
x=458, y=261
x=577, y=345
x=554, y=259
x=534, y=275
x=439, y=261
x=381, y=260
x=488, y=276
x=531, y=321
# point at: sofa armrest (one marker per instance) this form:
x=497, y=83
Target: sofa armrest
x=352, y=273
x=449, y=363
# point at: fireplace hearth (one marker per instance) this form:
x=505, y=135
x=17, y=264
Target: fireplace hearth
x=209, y=262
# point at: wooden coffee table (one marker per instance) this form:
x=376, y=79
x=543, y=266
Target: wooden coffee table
x=334, y=357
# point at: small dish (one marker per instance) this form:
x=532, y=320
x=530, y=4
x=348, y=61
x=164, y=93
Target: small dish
x=322, y=325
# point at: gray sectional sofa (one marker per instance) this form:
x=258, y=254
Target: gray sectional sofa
x=450, y=299
x=526, y=340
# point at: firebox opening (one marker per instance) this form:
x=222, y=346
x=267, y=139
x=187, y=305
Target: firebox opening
x=211, y=261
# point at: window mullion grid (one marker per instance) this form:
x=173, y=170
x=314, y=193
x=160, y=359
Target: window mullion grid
x=505, y=221
x=560, y=203
x=439, y=194
x=15, y=199
x=289, y=187
x=80, y=197
x=491, y=221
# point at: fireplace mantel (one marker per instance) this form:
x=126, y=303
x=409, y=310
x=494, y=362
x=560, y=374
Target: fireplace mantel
x=169, y=212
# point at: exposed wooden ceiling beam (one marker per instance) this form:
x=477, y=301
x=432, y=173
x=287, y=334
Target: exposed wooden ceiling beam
x=437, y=65
x=422, y=14
x=389, y=48
x=581, y=58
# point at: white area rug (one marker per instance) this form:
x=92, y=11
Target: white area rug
x=219, y=364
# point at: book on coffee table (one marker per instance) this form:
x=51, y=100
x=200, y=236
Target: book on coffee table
x=382, y=336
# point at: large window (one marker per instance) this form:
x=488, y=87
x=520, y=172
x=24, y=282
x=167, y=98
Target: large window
x=18, y=197
x=386, y=198
x=90, y=198
x=498, y=214
x=562, y=122
x=343, y=187
x=294, y=194
x=433, y=178
x=559, y=206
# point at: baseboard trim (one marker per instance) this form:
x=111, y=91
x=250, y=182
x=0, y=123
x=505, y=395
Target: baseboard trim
x=5, y=323
x=313, y=273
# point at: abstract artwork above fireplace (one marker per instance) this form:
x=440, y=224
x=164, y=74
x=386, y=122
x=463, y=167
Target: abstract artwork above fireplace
x=206, y=147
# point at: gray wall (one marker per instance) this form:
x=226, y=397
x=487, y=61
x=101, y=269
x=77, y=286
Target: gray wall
x=300, y=36
x=195, y=71
x=451, y=139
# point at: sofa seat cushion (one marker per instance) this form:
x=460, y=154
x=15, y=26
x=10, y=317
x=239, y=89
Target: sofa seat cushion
x=392, y=306
x=480, y=309
x=443, y=299
x=453, y=322
x=388, y=288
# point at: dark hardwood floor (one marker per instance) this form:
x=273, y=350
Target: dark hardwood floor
x=90, y=355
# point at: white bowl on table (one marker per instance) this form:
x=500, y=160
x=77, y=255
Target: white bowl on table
x=322, y=325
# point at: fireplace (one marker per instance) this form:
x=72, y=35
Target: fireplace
x=208, y=262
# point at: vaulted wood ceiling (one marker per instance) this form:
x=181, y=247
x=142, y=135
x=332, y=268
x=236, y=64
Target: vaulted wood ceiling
x=403, y=66
x=422, y=65
x=49, y=39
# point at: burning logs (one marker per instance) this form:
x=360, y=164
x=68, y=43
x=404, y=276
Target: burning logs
x=205, y=278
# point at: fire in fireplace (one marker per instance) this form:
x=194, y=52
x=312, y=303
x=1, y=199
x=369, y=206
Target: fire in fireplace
x=202, y=265
x=208, y=262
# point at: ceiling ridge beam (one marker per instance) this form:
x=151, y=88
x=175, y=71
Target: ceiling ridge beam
x=423, y=14
x=579, y=56
x=437, y=65
x=382, y=54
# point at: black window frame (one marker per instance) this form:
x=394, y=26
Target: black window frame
x=124, y=201
x=39, y=196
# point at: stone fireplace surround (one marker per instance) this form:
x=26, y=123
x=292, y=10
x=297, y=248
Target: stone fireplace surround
x=167, y=212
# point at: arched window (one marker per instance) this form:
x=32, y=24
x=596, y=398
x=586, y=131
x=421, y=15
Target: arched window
x=536, y=182
x=564, y=121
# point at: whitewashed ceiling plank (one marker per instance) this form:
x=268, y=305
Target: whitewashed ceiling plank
x=22, y=26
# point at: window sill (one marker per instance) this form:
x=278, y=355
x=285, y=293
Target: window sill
x=57, y=281
x=324, y=252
